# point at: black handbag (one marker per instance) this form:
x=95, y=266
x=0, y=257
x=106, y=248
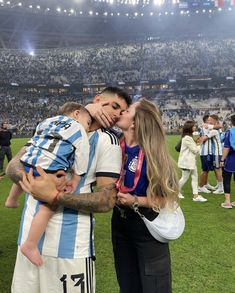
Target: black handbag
x=178, y=146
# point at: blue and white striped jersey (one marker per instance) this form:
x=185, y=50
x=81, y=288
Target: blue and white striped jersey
x=212, y=146
x=69, y=234
x=59, y=143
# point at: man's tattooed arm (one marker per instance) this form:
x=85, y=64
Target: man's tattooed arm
x=15, y=168
x=101, y=201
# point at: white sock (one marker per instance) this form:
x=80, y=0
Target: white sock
x=220, y=185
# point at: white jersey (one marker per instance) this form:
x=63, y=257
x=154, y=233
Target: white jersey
x=59, y=143
x=212, y=146
x=69, y=234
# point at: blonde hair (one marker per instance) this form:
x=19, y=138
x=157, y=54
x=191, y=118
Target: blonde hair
x=163, y=186
x=69, y=107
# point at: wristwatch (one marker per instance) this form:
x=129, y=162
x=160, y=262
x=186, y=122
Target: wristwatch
x=135, y=204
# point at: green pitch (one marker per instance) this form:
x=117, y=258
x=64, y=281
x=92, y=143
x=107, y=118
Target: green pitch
x=203, y=259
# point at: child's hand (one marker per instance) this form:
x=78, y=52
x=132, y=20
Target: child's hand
x=71, y=186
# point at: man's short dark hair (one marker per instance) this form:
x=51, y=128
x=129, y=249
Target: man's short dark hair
x=232, y=118
x=215, y=117
x=205, y=117
x=119, y=92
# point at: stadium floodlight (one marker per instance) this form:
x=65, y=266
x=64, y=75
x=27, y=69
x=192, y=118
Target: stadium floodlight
x=19, y=4
x=90, y=12
x=31, y=53
x=58, y=9
x=8, y=2
x=31, y=6
x=158, y=2
x=71, y=11
x=38, y=7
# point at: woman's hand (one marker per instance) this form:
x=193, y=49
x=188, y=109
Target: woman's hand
x=125, y=199
x=44, y=187
x=98, y=112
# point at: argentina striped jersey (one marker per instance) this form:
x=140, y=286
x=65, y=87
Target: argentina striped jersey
x=59, y=143
x=212, y=146
x=69, y=234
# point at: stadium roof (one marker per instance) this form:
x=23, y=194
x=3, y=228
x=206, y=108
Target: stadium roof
x=66, y=23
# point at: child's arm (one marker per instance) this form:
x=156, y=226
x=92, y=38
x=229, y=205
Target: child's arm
x=72, y=184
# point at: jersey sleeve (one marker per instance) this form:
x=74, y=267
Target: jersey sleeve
x=82, y=149
x=212, y=133
x=110, y=156
x=227, y=140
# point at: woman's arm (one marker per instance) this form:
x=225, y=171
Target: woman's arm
x=128, y=199
x=191, y=145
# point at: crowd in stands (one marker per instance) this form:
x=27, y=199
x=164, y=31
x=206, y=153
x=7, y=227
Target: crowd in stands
x=128, y=62
x=25, y=111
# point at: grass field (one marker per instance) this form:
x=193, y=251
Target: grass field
x=203, y=259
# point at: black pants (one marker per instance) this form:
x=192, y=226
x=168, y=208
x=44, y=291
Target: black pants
x=4, y=151
x=142, y=263
x=227, y=181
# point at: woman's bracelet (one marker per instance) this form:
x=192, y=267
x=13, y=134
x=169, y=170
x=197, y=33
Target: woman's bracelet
x=135, y=204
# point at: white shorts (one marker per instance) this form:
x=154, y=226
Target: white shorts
x=56, y=275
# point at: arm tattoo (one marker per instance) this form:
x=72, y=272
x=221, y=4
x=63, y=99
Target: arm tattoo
x=15, y=167
x=97, y=202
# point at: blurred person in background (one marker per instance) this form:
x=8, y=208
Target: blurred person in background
x=188, y=159
x=228, y=163
x=5, y=145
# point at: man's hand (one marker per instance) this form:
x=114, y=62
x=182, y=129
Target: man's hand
x=99, y=114
x=46, y=186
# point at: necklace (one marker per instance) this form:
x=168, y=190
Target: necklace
x=119, y=184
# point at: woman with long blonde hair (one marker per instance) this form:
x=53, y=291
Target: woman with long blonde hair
x=149, y=182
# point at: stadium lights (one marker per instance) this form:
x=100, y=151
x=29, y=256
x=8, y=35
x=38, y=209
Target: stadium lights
x=158, y=2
